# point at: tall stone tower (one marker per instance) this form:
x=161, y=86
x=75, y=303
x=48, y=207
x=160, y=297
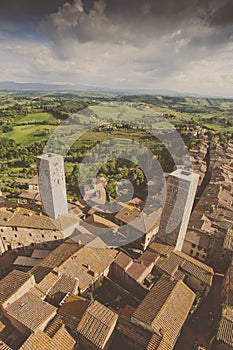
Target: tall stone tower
x=181, y=191
x=52, y=184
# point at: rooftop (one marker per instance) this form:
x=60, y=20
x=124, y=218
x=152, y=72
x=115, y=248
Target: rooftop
x=225, y=330
x=171, y=261
x=31, y=311
x=11, y=284
x=123, y=260
x=21, y=217
x=62, y=340
x=164, y=309
x=97, y=324
x=185, y=175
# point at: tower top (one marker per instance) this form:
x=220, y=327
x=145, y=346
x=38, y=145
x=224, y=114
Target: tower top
x=185, y=175
x=47, y=156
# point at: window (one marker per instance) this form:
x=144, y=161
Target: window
x=193, y=245
x=42, y=236
x=15, y=236
x=199, y=248
x=191, y=251
x=55, y=237
x=203, y=256
x=197, y=254
x=30, y=234
x=4, y=238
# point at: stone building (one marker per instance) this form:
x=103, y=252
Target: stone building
x=181, y=190
x=163, y=311
x=52, y=184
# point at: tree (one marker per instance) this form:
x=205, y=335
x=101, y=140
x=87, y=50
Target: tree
x=7, y=128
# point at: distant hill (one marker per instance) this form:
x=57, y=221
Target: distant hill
x=13, y=86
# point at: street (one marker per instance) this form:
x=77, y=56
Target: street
x=199, y=328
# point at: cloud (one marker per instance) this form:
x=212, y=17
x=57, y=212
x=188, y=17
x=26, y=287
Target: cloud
x=72, y=22
x=171, y=44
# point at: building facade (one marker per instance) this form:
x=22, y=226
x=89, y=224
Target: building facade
x=52, y=184
x=181, y=191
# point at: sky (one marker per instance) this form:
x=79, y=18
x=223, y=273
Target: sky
x=176, y=45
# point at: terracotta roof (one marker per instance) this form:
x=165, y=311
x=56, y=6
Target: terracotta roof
x=73, y=269
x=32, y=181
x=137, y=271
x=180, y=261
x=65, y=221
x=4, y=346
x=55, y=259
x=123, y=260
x=26, y=261
x=228, y=285
x=10, y=284
x=164, y=309
x=158, y=342
x=31, y=311
x=149, y=257
x=62, y=340
x=97, y=323
x=195, y=267
x=40, y=254
x=127, y=214
x=30, y=194
x=99, y=221
x=89, y=262
x=139, y=219
x=62, y=287
x=161, y=249
x=22, y=217
x=225, y=330
x=48, y=282
x=169, y=265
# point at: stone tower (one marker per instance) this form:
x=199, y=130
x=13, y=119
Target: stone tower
x=181, y=191
x=52, y=184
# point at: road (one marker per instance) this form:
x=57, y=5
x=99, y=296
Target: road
x=201, y=324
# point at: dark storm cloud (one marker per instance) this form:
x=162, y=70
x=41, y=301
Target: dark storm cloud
x=27, y=10
x=219, y=12
x=224, y=15
x=135, y=21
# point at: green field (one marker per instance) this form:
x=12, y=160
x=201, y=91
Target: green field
x=28, y=134
x=33, y=118
x=218, y=127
